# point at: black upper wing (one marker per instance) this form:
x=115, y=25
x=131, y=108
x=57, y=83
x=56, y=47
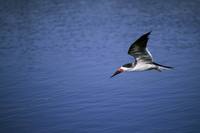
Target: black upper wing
x=138, y=49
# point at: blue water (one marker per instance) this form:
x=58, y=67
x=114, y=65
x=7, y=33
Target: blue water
x=56, y=58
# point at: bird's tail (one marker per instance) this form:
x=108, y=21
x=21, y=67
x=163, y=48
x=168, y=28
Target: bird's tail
x=162, y=67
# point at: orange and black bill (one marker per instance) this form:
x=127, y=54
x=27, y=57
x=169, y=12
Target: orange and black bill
x=117, y=72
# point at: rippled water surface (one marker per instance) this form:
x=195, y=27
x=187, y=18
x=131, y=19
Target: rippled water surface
x=56, y=58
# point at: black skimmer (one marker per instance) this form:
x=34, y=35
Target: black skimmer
x=143, y=58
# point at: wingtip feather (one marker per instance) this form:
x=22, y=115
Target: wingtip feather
x=148, y=33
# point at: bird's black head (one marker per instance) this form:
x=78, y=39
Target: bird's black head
x=122, y=69
x=128, y=65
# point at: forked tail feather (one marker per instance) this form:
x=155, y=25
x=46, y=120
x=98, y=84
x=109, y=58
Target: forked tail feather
x=162, y=67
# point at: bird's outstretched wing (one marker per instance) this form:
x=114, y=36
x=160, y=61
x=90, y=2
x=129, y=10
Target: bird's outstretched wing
x=139, y=51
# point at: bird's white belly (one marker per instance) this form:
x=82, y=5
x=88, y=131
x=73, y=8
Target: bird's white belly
x=143, y=67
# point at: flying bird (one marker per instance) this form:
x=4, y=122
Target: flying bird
x=143, y=58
